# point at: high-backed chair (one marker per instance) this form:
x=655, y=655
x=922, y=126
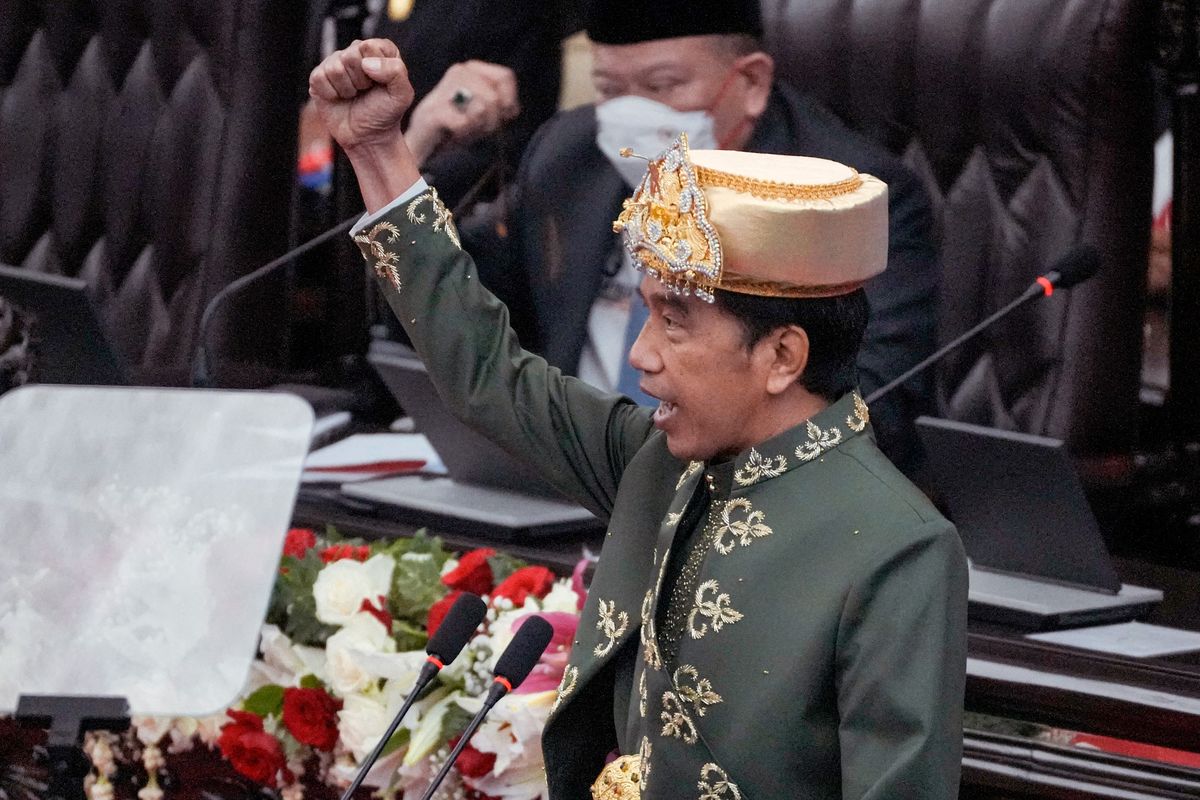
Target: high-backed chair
x=1030, y=125
x=149, y=147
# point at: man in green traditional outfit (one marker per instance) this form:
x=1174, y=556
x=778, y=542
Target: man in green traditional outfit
x=777, y=611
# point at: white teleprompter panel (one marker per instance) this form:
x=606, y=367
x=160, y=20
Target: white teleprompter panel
x=140, y=533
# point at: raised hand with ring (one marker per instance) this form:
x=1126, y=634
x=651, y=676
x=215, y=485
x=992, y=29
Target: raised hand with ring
x=462, y=98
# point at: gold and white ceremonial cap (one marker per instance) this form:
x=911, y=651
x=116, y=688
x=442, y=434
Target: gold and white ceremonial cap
x=754, y=223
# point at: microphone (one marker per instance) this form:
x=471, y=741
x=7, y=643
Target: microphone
x=1079, y=264
x=513, y=666
x=444, y=646
x=201, y=373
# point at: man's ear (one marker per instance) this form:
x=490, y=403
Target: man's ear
x=759, y=71
x=787, y=357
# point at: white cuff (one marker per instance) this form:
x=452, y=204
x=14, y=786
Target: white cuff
x=408, y=194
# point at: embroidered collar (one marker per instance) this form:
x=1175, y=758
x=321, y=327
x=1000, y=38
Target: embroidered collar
x=805, y=442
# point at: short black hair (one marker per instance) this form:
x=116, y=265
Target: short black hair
x=835, y=328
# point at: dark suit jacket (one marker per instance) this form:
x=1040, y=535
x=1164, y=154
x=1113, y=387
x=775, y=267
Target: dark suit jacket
x=524, y=36
x=544, y=249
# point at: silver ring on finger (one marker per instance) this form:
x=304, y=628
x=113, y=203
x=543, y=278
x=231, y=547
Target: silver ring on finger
x=462, y=98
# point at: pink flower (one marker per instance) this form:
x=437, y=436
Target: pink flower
x=548, y=672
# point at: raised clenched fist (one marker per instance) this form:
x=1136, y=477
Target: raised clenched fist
x=362, y=93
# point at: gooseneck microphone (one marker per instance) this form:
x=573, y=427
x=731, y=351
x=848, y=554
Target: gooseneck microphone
x=512, y=668
x=444, y=646
x=201, y=374
x=1079, y=264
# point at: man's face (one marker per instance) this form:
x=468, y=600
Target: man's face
x=694, y=360
x=688, y=73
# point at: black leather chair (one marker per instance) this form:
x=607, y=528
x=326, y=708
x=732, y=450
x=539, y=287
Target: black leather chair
x=149, y=147
x=1030, y=124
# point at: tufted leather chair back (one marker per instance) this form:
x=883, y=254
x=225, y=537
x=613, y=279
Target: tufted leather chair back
x=149, y=147
x=1030, y=125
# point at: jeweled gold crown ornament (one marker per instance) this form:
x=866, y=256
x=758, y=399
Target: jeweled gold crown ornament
x=755, y=223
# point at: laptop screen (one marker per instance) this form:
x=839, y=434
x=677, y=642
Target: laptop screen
x=66, y=339
x=1018, y=504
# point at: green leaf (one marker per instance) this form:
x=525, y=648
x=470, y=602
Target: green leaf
x=311, y=682
x=416, y=585
x=266, y=702
x=399, y=739
x=409, y=636
x=504, y=565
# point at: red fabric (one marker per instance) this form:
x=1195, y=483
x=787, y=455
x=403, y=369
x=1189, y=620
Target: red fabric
x=1150, y=752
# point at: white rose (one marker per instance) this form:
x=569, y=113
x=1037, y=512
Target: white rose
x=361, y=722
x=561, y=598
x=342, y=586
x=345, y=652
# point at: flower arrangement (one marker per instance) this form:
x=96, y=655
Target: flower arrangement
x=341, y=646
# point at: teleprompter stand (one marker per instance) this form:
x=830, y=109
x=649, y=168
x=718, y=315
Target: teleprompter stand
x=66, y=720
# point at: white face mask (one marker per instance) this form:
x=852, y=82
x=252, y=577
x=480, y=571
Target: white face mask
x=647, y=128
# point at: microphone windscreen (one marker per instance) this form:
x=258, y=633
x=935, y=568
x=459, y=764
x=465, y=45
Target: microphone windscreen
x=455, y=631
x=1076, y=266
x=523, y=652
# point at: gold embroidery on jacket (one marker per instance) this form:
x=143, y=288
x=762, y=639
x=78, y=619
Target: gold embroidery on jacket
x=676, y=723
x=717, y=611
x=719, y=789
x=692, y=469
x=673, y=519
x=612, y=624
x=695, y=690
x=649, y=640
x=857, y=421
x=818, y=442
x=644, y=758
x=757, y=468
x=372, y=248
x=643, y=694
x=566, y=686
x=741, y=523
x=442, y=219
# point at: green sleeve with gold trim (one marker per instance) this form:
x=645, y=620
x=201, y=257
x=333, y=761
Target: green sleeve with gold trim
x=578, y=437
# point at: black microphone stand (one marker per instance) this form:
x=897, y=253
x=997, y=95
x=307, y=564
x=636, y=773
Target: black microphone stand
x=429, y=671
x=201, y=372
x=1035, y=290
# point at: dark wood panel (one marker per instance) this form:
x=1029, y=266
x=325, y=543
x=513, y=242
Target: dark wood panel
x=997, y=767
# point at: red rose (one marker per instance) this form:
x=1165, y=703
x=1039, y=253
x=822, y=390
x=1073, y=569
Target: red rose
x=252, y=751
x=337, y=552
x=471, y=762
x=438, y=612
x=473, y=573
x=526, y=581
x=311, y=716
x=298, y=542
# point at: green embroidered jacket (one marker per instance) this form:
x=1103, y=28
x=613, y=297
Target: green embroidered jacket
x=824, y=654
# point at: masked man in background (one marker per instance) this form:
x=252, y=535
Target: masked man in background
x=777, y=611
x=695, y=66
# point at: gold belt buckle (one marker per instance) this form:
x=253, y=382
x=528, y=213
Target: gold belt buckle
x=619, y=780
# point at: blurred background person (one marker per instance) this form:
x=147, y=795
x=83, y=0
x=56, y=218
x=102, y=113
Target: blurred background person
x=548, y=248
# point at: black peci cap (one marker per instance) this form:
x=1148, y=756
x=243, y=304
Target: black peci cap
x=628, y=22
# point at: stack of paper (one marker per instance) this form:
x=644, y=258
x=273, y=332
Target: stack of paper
x=371, y=455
